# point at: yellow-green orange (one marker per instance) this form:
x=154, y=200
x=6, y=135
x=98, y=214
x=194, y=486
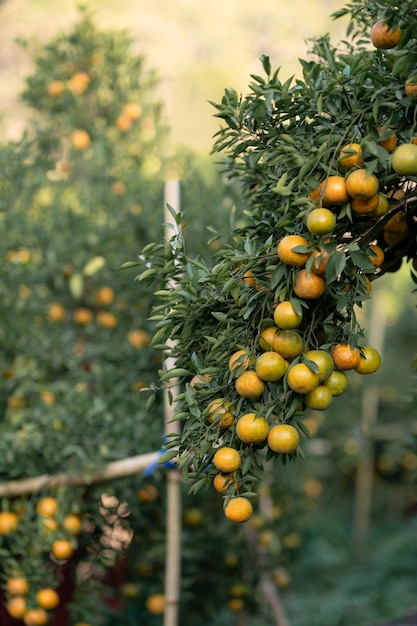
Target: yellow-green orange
x=283, y=438
x=252, y=428
x=270, y=366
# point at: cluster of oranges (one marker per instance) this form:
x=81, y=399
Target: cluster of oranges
x=23, y=601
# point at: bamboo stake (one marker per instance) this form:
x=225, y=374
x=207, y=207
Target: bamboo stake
x=116, y=469
x=173, y=515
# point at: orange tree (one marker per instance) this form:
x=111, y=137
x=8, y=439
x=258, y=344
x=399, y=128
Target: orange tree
x=328, y=166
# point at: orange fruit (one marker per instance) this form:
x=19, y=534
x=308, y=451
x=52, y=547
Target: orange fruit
x=82, y=316
x=80, y=139
x=16, y=607
x=249, y=277
x=17, y=586
x=319, y=398
x=106, y=319
x=382, y=207
x=221, y=482
x=302, y=379
x=55, y=88
x=270, y=366
x=124, y=123
x=62, y=549
x=104, y=296
x=72, y=524
x=249, y=385
x=148, y=493
x=47, y=506
x=377, y=255
x=411, y=86
x=324, y=362
x=138, y=338
x=321, y=222
x=361, y=184
x=35, y=617
x=390, y=141
x=8, y=522
x=283, y=438
x=363, y=207
x=309, y=286
x=47, y=598
x=404, y=159
x=118, y=188
x=219, y=413
x=288, y=343
x=397, y=224
x=337, y=383
x=133, y=110
x=285, y=316
x=238, y=509
x=345, y=357
x=155, y=603
x=226, y=459
x=49, y=525
x=239, y=361
x=200, y=380
x=351, y=155
x=321, y=258
x=287, y=255
x=252, y=428
x=384, y=37
x=79, y=83
x=369, y=362
x=333, y=191
x=56, y=312
x=235, y=605
x=267, y=338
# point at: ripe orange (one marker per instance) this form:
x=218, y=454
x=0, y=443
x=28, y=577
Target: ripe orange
x=47, y=598
x=270, y=366
x=138, y=338
x=391, y=140
x=252, y=428
x=8, y=522
x=72, y=524
x=49, y=525
x=200, y=380
x=333, y=191
x=302, y=379
x=80, y=139
x=288, y=343
x=62, y=549
x=148, y=493
x=239, y=361
x=363, y=207
x=287, y=255
x=283, y=438
x=411, y=86
x=17, y=586
x=238, y=509
x=155, y=603
x=345, y=357
x=79, y=83
x=319, y=399
x=219, y=412
x=382, y=207
x=309, y=286
x=47, y=506
x=370, y=362
x=118, y=188
x=133, y=110
x=106, y=319
x=337, y=383
x=361, y=184
x=56, y=312
x=267, y=338
x=384, y=37
x=321, y=258
x=285, y=316
x=226, y=459
x=351, y=155
x=324, y=362
x=82, y=316
x=321, y=222
x=249, y=385
x=249, y=278
x=124, y=123
x=35, y=617
x=377, y=255
x=221, y=482
x=16, y=607
x=104, y=296
x=404, y=159
x=55, y=88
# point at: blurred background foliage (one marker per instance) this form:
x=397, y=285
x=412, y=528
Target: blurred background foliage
x=75, y=336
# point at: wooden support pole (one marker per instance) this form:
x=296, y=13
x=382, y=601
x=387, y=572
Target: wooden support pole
x=173, y=515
